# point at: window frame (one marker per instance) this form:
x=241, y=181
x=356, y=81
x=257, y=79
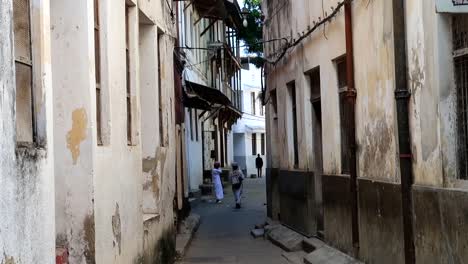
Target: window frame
x=254, y=144
x=460, y=64
x=341, y=72
x=131, y=71
x=40, y=68
x=291, y=87
x=253, y=103
x=262, y=144
x=162, y=131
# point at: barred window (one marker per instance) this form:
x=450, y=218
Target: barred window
x=460, y=53
x=24, y=71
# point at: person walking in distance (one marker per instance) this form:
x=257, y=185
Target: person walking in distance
x=216, y=178
x=259, y=165
x=236, y=177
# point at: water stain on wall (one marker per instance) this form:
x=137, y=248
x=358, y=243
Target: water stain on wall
x=77, y=133
x=8, y=260
x=117, y=228
x=89, y=237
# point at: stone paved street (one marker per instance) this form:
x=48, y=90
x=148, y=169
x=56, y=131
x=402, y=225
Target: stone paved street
x=224, y=233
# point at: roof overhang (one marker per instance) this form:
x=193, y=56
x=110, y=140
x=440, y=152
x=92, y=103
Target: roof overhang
x=202, y=97
x=227, y=10
x=211, y=95
x=233, y=9
x=214, y=9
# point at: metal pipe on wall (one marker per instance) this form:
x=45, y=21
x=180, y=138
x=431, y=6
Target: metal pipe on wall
x=350, y=100
x=402, y=97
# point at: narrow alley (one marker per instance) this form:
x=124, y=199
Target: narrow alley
x=345, y=121
x=223, y=236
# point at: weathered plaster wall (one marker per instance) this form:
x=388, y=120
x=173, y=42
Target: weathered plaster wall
x=433, y=104
x=319, y=49
x=74, y=139
x=26, y=173
x=375, y=107
x=119, y=166
x=100, y=211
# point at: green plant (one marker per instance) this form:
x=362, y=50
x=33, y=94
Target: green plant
x=252, y=35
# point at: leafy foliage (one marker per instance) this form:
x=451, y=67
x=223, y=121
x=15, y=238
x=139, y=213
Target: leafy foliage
x=252, y=35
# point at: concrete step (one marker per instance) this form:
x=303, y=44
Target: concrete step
x=258, y=232
x=187, y=229
x=329, y=255
x=296, y=257
x=311, y=244
x=285, y=238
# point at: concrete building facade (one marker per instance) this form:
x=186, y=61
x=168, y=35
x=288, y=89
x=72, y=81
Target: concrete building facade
x=365, y=116
x=26, y=146
x=249, y=132
x=210, y=51
x=89, y=149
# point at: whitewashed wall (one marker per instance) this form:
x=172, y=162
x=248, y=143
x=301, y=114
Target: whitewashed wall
x=27, y=207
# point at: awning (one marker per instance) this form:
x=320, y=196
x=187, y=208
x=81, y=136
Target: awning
x=194, y=101
x=211, y=95
x=234, y=11
x=211, y=8
x=227, y=10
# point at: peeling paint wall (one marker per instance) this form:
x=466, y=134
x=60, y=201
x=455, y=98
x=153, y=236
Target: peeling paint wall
x=433, y=106
x=26, y=172
x=374, y=73
x=105, y=193
x=74, y=122
x=319, y=49
x=375, y=106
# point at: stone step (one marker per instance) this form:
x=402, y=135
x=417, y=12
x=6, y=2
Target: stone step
x=311, y=244
x=258, y=232
x=296, y=257
x=329, y=255
x=285, y=238
x=186, y=231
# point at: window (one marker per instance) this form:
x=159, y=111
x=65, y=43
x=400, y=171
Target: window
x=263, y=143
x=24, y=71
x=274, y=103
x=254, y=144
x=460, y=47
x=292, y=95
x=191, y=123
x=253, y=101
x=160, y=95
x=196, y=125
x=342, y=85
x=128, y=75
x=97, y=64
x=262, y=110
x=341, y=71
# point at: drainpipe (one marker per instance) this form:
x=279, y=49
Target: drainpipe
x=402, y=97
x=350, y=101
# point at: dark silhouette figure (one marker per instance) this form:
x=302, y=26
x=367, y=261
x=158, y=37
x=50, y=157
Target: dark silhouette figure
x=259, y=165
